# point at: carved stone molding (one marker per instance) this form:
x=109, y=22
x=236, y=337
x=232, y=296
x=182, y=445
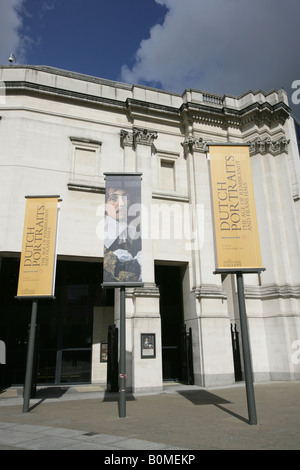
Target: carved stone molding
x=258, y=145
x=143, y=137
x=210, y=291
x=147, y=290
x=266, y=145
x=272, y=291
x=228, y=116
x=193, y=144
x=138, y=136
x=126, y=138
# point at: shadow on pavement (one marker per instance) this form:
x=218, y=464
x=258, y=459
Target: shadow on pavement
x=114, y=396
x=48, y=393
x=51, y=392
x=202, y=397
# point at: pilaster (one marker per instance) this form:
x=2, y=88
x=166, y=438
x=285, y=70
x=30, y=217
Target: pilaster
x=126, y=142
x=142, y=303
x=142, y=143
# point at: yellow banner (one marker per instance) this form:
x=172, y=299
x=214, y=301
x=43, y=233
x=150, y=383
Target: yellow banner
x=236, y=232
x=38, y=257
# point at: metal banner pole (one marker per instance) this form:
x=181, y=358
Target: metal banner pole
x=246, y=351
x=122, y=368
x=30, y=357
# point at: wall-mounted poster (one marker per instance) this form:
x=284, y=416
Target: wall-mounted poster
x=148, y=345
x=103, y=352
x=122, y=232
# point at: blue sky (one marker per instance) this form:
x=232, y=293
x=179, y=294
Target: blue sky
x=220, y=46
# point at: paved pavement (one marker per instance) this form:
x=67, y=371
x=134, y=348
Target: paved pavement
x=179, y=418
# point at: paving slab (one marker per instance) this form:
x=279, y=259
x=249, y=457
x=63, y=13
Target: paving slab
x=179, y=418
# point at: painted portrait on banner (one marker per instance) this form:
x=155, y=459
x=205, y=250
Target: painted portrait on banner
x=122, y=231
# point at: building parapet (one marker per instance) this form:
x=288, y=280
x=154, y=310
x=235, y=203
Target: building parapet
x=140, y=101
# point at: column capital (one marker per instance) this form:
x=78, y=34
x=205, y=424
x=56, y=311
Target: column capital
x=194, y=144
x=137, y=136
x=126, y=138
x=143, y=136
x=266, y=145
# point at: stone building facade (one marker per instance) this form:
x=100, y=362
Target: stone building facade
x=60, y=132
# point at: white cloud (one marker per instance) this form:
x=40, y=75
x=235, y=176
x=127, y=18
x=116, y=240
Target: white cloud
x=10, y=30
x=222, y=46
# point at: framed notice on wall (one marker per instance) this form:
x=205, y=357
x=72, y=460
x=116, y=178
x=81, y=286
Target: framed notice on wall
x=148, y=345
x=103, y=352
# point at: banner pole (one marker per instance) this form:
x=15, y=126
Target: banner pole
x=246, y=351
x=122, y=368
x=30, y=357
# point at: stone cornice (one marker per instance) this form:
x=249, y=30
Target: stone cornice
x=139, y=107
x=233, y=117
x=29, y=88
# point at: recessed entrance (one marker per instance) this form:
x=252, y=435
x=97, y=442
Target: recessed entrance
x=169, y=281
x=64, y=325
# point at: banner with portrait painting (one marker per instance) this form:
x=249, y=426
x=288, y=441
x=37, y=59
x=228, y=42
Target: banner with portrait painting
x=122, y=231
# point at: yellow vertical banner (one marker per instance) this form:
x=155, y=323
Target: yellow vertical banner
x=237, y=245
x=38, y=256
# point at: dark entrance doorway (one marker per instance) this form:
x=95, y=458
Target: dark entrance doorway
x=65, y=324
x=169, y=281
